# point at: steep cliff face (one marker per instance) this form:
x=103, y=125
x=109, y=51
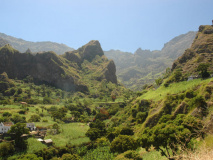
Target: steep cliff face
x=44, y=67
x=91, y=57
x=201, y=51
x=63, y=72
x=110, y=71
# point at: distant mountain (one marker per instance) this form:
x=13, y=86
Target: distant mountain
x=22, y=45
x=3, y=42
x=144, y=66
x=90, y=69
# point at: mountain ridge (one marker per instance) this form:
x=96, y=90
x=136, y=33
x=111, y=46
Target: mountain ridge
x=144, y=66
x=56, y=70
x=23, y=45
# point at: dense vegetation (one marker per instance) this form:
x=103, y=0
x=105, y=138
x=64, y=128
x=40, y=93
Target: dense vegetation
x=168, y=120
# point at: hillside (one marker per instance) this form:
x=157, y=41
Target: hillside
x=104, y=120
x=65, y=72
x=177, y=94
x=199, y=53
x=22, y=45
x=163, y=117
x=144, y=66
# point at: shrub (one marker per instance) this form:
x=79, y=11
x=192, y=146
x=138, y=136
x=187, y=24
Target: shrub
x=203, y=70
x=7, y=114
x=17, y=118
x=93, y=133
x=30, y=156
x=10, y=92
x=173, y=135
x=6, y=149
x=68, y=156
x=103, y=141
x=132, y=155
x=141, y=117
x=126, y=131
x=123, y=143
x=34, y=118
x=47, y=100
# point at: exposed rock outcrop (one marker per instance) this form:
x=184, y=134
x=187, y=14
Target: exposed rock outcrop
x=109, y=72
x=44, y=67
x=200, y=52
x=86, y=52
x=64, y=72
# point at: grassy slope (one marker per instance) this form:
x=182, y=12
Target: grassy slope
x=174, y=88
x=73, y=133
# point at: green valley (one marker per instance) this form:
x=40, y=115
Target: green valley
x=80, y=111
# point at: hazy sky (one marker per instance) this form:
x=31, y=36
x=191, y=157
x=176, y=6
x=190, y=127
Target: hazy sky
x=118, y=24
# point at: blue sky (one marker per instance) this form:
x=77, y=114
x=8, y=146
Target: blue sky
x=118, y=24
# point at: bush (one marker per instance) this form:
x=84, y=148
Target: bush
x=126, y=131
x=102, y=141
x=30, y=156
x=203, y=67
x=34, y=118
x=132, y=155
x=141, y=117
x=10, y=92
x=47, y=100
x=93, y=133
x=7, y=114
x=68, y=156
x=123, y=143
x=172, y=135
x=6, y=149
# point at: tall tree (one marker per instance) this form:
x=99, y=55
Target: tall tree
x=16, y=132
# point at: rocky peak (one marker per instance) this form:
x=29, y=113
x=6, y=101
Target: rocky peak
x=90, y=50
x=109, y=72
x=144, y=53
x=28, y=51
x=86, y=52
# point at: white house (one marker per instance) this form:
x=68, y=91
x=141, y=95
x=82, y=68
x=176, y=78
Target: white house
x=31, y=126
x=5, y=126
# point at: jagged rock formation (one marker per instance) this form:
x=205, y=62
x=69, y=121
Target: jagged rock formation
x=22, y=45
x=201, y=51
x=144, y=66
x=86, y=52
x=59, y=71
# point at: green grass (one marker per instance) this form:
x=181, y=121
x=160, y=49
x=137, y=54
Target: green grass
x=173, y=88
x=208, y=141
x=153, y=155
x=100, y=153
x=34, y=145
x=10, y=108
x=73, y=133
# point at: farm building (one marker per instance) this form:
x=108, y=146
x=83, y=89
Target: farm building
x=31, y=126
x=5, y=126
